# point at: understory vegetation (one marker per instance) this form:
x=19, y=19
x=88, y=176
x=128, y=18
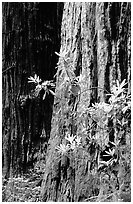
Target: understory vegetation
x=104, y=126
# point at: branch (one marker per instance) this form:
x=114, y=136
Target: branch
x=96, y=88
x=13, y=66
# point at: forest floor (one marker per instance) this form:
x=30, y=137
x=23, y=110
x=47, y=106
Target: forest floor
x=26, y=188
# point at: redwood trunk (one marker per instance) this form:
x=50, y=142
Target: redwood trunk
x=30, y=38
x=97, y=40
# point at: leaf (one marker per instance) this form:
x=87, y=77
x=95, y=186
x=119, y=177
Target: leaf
x=75, y=89
x=118, y=89
x=73, y=145
x=123, y=83
x=34, y=79
x=70, y=138
x=62, y=54
x=126, y=107
x=51, y=92
x=44, y=96
x=63, y=149
x=78, y=140
x=110, y=152
x=31, y=80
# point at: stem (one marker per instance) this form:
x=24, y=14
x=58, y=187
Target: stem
x=67, y=70
x=95, y=88
x=64, y=65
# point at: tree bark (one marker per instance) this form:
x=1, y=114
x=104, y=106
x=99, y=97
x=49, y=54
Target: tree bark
x=97, y=40
x=30, y=38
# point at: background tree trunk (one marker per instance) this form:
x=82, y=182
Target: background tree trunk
x=31, y=35
x=97, y=39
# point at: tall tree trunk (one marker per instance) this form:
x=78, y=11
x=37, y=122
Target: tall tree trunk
x=30, y=38
x=97, y=40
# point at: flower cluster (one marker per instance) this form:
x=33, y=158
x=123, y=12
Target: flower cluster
x=73, y=143
x=46, y=86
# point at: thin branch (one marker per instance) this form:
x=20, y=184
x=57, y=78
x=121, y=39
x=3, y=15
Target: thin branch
x=96, y=88
x=13, y=66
